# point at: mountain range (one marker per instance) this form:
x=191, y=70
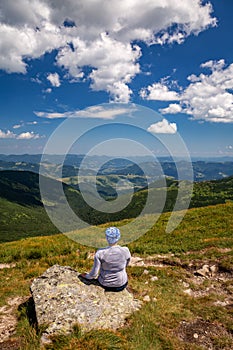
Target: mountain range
x=102, y=165
x=23, y=213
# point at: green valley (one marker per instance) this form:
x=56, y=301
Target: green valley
x=23, y=214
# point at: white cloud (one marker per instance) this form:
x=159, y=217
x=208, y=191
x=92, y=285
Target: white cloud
x=32, y=123
x=214, y=65
x=26, y=42
x=6, y=135
x=173, y=108
x=17, y=126
x=99, y=112
x=101, y=37
x=52, y=115
x=36, y=80
x=54, y=80
x=104, y=112
x=47, y=91
x=159, y=92
x=112, y=69
x=27, y=136
x=163, y=127
x=207, y=97
x=23, y=136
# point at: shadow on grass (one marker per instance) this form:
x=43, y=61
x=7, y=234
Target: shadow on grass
x=27, y=309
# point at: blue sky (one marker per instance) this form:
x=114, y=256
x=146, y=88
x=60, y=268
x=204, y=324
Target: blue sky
x=174, y=57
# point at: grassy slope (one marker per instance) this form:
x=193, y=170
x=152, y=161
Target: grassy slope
x=204, y=234
x=22, y=214
x=18, y=221
x=21, y=208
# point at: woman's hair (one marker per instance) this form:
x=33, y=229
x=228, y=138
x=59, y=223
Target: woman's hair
x=112, y=235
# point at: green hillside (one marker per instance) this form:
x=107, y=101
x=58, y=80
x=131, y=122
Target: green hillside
x=212, y=192
x=21, y=208
x=23, y=215
x=180, y=303
x=19, y=221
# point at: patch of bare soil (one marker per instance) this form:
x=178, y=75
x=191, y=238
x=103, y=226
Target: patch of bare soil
x=205, y=250
x=210, y=280
x=7, y=266
x=11, y=344
x=8, y=321
x=209, y=335
x=153, y=260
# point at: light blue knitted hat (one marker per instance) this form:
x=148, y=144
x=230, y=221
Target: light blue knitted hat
x=112, y=235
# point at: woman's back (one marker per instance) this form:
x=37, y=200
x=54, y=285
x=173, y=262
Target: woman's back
x=114, y=258
x=113, y=263
x=110, y=263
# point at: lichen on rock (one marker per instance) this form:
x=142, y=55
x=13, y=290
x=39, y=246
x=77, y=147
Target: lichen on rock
x=62, y=300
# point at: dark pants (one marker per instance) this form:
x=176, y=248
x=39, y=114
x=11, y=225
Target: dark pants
x=114, y=289
x=107, y=289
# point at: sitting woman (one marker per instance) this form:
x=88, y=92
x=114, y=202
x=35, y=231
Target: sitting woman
x=110, y=263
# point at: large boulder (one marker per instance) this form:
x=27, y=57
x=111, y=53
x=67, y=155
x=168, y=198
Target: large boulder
x=63, y=300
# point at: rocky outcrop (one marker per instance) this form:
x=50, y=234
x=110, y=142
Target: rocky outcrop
x=63, y=300
x=207, y=271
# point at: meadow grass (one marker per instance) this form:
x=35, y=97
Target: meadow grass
x=205, y=234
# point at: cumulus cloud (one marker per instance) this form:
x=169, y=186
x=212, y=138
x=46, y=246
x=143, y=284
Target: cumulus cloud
x=208, y=96
x=54, y=79
x=159, y=92
x=23, y=136
x=6, y=134
x=114, y=62
x=99, y=34
x=173, y=108
x=27, y=136
x=163, y=127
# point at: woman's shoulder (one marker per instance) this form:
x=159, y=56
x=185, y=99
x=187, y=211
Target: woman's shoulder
x=101, y=251
x=124, y=249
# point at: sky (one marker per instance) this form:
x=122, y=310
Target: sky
x=100, y=61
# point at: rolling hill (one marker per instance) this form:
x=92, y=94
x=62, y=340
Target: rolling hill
x=23, y=214
x=21, y=208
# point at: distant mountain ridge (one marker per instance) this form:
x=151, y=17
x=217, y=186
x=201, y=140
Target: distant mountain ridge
x=138, y=166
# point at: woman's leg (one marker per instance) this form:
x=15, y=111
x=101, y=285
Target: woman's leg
x=115, y=289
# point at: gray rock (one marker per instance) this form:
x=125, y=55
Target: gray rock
x=146, y=298
x=207, y=271
x=213, y=270
x=154, y=278
x=204, y=271
x=62, y=300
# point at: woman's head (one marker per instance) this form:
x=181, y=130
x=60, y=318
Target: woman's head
x=112, y=235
